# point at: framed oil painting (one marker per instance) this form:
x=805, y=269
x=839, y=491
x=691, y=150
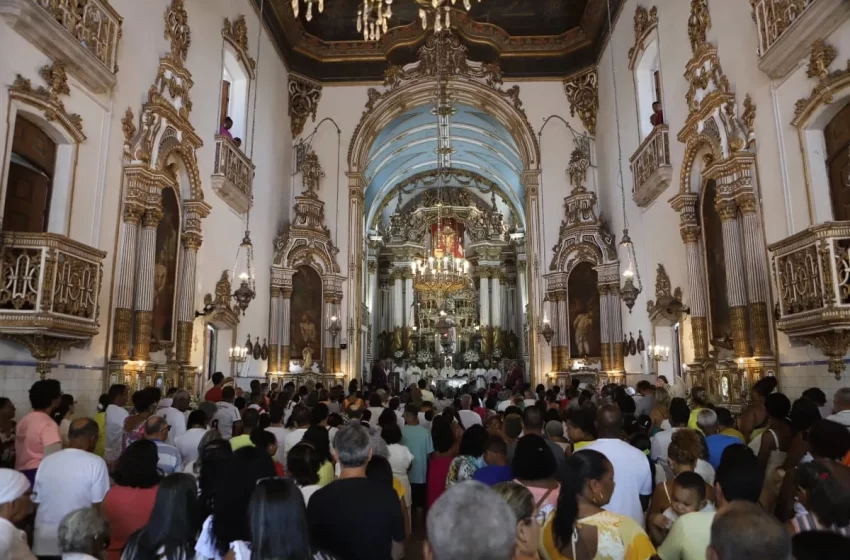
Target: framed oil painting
x=306, y=315
x=715, y=260
x=165, y=266
x=584, y=316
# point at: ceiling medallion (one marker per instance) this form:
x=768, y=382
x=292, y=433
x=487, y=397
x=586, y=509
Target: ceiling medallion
x=437, y=13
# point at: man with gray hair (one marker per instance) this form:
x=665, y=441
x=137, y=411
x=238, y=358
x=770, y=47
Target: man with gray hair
x=841, y=407
x=470, y=522
x=175, y=415
x=83, y=533
x=714, y=440
x=745, y=530
x=369, y=530
x=170, y=460
x=467, y=417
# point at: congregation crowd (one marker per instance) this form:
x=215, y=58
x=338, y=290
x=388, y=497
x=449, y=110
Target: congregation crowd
x=499, y=473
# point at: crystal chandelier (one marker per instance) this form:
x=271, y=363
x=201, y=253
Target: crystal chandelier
x=437, y=13
x=296, y=7
x=373, y=17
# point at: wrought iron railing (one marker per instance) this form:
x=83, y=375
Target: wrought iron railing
x=651, y=158
x=774, y=17
x=233, y=166
x=94, y=23
x=50, y=283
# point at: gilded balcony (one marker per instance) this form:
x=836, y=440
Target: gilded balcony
x=812, y=275
x=651, y=169
x=233, y=175
x=83, y=34
x=787, y=28
x=50, y=286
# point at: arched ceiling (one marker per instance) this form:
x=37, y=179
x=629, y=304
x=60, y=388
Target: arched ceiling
x=408, y=146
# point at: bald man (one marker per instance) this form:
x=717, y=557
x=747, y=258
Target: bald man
x=175, y=415
x=67, y=480
x=841, y=407
x=632, y=474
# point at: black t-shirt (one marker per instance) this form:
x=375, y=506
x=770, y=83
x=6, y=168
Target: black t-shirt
x=356, y=519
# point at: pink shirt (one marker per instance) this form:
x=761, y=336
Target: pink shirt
x=35, y=432
x=224, y=132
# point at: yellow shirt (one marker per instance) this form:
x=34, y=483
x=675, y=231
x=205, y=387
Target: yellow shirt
x=581, y=444
x=100, y=446
x=619, y=538
x=398, y=487
x=692, y=420
x=326, y=474
x=734, y=433
x=688, y=538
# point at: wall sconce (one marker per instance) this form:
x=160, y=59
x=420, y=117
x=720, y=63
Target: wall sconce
x=334, y=328
x=238, y=354
x=658, y=353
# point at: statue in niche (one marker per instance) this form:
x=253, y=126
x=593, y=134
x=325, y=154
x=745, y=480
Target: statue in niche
x=165, y=266
x=308, y=329
x=307, y=354
x=584, y=313
x=583, y=326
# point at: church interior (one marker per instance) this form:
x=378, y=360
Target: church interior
x=296, y=190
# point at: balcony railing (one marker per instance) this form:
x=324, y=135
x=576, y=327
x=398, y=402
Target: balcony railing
x=651, y=169
x=233, y=175
x=83, y=34
x=50, y=285
x=787, y=28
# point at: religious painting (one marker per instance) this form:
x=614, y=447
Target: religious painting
x=715, y=260
x=583, y=312
x=305, y=316
x=165, y=266
x=447, y=238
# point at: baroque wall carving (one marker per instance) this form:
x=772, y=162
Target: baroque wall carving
x=646, y=21
x=304, y=96
x=49, y=99
x=236, y=34
x=828, y=83
x=583, y=94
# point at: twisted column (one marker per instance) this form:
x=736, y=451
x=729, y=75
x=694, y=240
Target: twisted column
x=276, y=295
x=144, y=286
x=286, y=328
x=121, y=327
x=758, y=285
x=736, y=290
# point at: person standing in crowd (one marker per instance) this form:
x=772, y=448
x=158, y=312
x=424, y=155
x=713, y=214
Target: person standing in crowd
x=660, y=442
x=771, y=447
x=63, y=415
x=468, y=459
x=37, y=435
x=156, y=430
x=115, y=416
x=144, y=405
x=532, y=423
x=276, y=427
x=128, y=504
x=379, y=522
x=175, y=415
x=726, y=424
x=497, y=469
x=823, y=489
x=427, y=395
x=227, y=419
x=215, y=392
x=7, y=433
x=445, y=450
x=841, y=407
x=67, y=480
x=745, y=530
x=421, y=445
x=645, y=401
x=521, y=502
x=83, y=534
x=174, y=523
x=250, y=422
x=657, y=116
x=400, y=460
x=303, y=463
x=754, y=418
x=301, y=422
x=187, y=443
x=470, y=521
x=699, y=401
x=581, y=524
x=15, y=507
x=212, y=460
x=467, y=416
x=633, y=475
x=535, y=468
x=714, y=440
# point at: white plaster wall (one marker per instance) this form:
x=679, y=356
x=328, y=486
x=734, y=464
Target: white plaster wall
x=96, y=206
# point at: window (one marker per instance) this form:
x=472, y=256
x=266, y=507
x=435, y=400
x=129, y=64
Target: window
x=235, y=88
x=648, y=86
x=30, y=181
x=837, y=136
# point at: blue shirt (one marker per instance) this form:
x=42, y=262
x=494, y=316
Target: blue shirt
x=493, y=474
x=418, y=440
x=170, y=460
x=716, y=444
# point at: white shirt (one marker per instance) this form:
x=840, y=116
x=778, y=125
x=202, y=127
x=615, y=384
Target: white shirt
x=187, y=443
x=632, y=477
x=292, y=439
x=13, y=542
x=115, y=416
x=469, y=418
x=427, y=395
x=659, y=444
x=308, y=491
x=67, y=480
x=422, y=421
x=842, y=418
x=280, y=435
x=503, y=406
x=376, y=413
x=224, y=419
x=176, y=422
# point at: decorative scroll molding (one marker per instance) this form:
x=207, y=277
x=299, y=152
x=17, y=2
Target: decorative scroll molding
x=304, y=96
x=821, y=57
x=583, y=94
x=646, y=22
x=236, y=35
x=312, y=173
x=177, y=30
x=128, y=126
x=668, y=302
x=49, y=99
x=222, y=309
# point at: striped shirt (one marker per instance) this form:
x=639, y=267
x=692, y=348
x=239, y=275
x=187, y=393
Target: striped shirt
x=170, y=460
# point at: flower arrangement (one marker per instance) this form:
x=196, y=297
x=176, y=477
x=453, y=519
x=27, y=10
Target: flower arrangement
x=497, y=354
x=399, y=354
x=470, y=357
x=424, y=357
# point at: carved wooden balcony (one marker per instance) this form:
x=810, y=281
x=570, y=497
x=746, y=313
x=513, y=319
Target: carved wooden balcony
x=83, y=34
x=651, y=169
x=787, y=28
x=50, y=286
x=233, y=175
x=812, y=275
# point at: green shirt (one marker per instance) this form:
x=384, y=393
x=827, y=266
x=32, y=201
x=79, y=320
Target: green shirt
x=688, y=538
x=241, y=441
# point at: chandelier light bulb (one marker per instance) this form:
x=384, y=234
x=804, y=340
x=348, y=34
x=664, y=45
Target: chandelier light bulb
x=295, y=10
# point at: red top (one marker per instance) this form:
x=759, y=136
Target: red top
x=127, y=510
x=438, y=472
x=278, y=469
x=213, y=395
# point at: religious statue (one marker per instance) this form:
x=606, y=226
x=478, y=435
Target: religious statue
x=583, y=326
x=307, y=353
x=308, y=329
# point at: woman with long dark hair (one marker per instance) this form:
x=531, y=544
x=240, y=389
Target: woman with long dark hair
x=174, y=523
x=212, y=458
x=469, y=455
x=580, y=529
x=129, y=503
x=754, y=419
x=445, y=450
x=772, y=448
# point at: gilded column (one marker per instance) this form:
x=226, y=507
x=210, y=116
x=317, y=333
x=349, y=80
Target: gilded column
x=522, y=280
x=144, y=286
x=408, y=310
x=398, y=308
x=604, y=334
x=757, y=277
x=374, y=306
x=484, y=309
x=736, y=290
x=121, y=327
x=356, y=190
x=555, y=345
x=616, y=315
x=274, y=328
x=690, y=231
x=328, y=354
x=496, y=310
x=337, y=351
x=186, y=300
x=285, y=329
x=563, y=332
x=531, y=182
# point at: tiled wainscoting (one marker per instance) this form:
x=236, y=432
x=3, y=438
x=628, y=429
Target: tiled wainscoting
x=85, y=383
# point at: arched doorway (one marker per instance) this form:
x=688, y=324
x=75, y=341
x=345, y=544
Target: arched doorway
x=837, y=134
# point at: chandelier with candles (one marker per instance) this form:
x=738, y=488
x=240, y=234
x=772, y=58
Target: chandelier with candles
x=437, y=13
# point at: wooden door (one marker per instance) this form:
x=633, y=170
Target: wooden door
x=28, y=189
x=837, y=134
x=225, y=101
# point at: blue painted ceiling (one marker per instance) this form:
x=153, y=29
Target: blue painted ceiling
x=408, y=144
